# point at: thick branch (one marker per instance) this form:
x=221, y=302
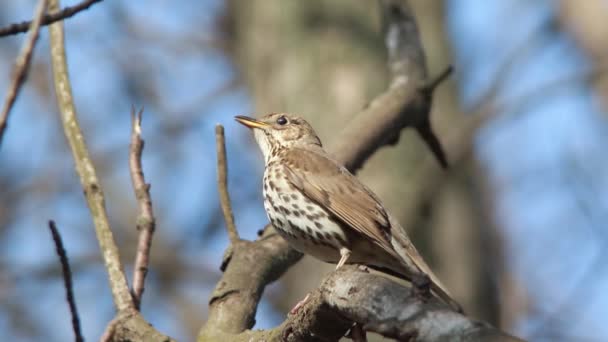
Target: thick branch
x=351, y=294
x=47, y=19
x=146, y=222
x=250, y=266
x=22, y=65
x=403, y=104
x=381, y=305
x=85, y=167
x=406, y=102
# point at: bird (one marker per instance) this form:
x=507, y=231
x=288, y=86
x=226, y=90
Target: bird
x=323, y=210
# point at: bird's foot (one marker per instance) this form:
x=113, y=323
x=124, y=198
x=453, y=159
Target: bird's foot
x=357, y=333
x=299, y=305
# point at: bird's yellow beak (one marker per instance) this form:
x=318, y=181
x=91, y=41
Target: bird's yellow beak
x=250, y=122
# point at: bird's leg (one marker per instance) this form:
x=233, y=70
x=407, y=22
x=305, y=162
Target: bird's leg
x=344, y=255
x=299, y=305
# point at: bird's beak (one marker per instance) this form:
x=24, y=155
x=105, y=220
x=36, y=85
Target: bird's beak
x=250, y=122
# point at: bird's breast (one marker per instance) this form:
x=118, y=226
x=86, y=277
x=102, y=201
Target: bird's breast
x=304, y=224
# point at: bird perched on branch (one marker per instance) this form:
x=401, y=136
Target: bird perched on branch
x=323, y=210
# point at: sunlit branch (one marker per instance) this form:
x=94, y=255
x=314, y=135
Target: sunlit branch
x=222, y=184
x=21, y=66
x=146, y=222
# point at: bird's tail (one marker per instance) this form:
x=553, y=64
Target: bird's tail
x=415, y=266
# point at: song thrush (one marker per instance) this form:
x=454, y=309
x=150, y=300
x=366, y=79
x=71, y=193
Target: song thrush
x=322, y=210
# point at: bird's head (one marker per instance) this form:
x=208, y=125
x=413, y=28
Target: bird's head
x=277, y=131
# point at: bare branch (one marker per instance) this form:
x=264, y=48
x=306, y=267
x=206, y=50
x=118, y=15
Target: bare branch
x=22, y=65
x=222, y=184
x=435, y=82
x=251, y=266
x=146, y=222
x=108, y=333
x=406, y=60
x=47, y=19
x=84, y=166
x=379, y=304
x=407, y=95
x=67, y=280
x=130, y=326
x=382, y=305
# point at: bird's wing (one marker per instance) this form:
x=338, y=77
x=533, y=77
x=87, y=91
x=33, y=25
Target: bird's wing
x=325, y=182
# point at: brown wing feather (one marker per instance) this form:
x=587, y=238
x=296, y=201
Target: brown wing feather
x=325, y=182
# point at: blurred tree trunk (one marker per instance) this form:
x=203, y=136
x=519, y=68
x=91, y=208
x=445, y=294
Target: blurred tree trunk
x=325, y=59
x=586, y=21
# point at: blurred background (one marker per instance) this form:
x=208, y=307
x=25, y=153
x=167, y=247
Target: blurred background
x=518, y=230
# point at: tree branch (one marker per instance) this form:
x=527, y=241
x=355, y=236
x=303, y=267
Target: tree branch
x=381, y=305
x=22, y=65
x=131, y=325
x=436, y=81
x=84, y=166
x=250, y=266
x=406, y=102
x=47, y=19
x=146, y=222
x=222, y=184
x=67, y=280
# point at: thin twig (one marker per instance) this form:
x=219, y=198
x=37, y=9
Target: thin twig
x=435, y=82
x=146, y=222
x=85, y=168
x=47, y=19
x=222, y=183
x=22, y=65
x=67, y=280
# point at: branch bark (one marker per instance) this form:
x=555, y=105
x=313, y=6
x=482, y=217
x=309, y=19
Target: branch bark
x=222, y=184
x=22, y=65
x=47, y=19
x=67, y=280
x=129, y=325
x=84, y=166
x=352, y=294
x=146, y=223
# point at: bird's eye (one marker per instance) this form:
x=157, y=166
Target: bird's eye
x=282, y=120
